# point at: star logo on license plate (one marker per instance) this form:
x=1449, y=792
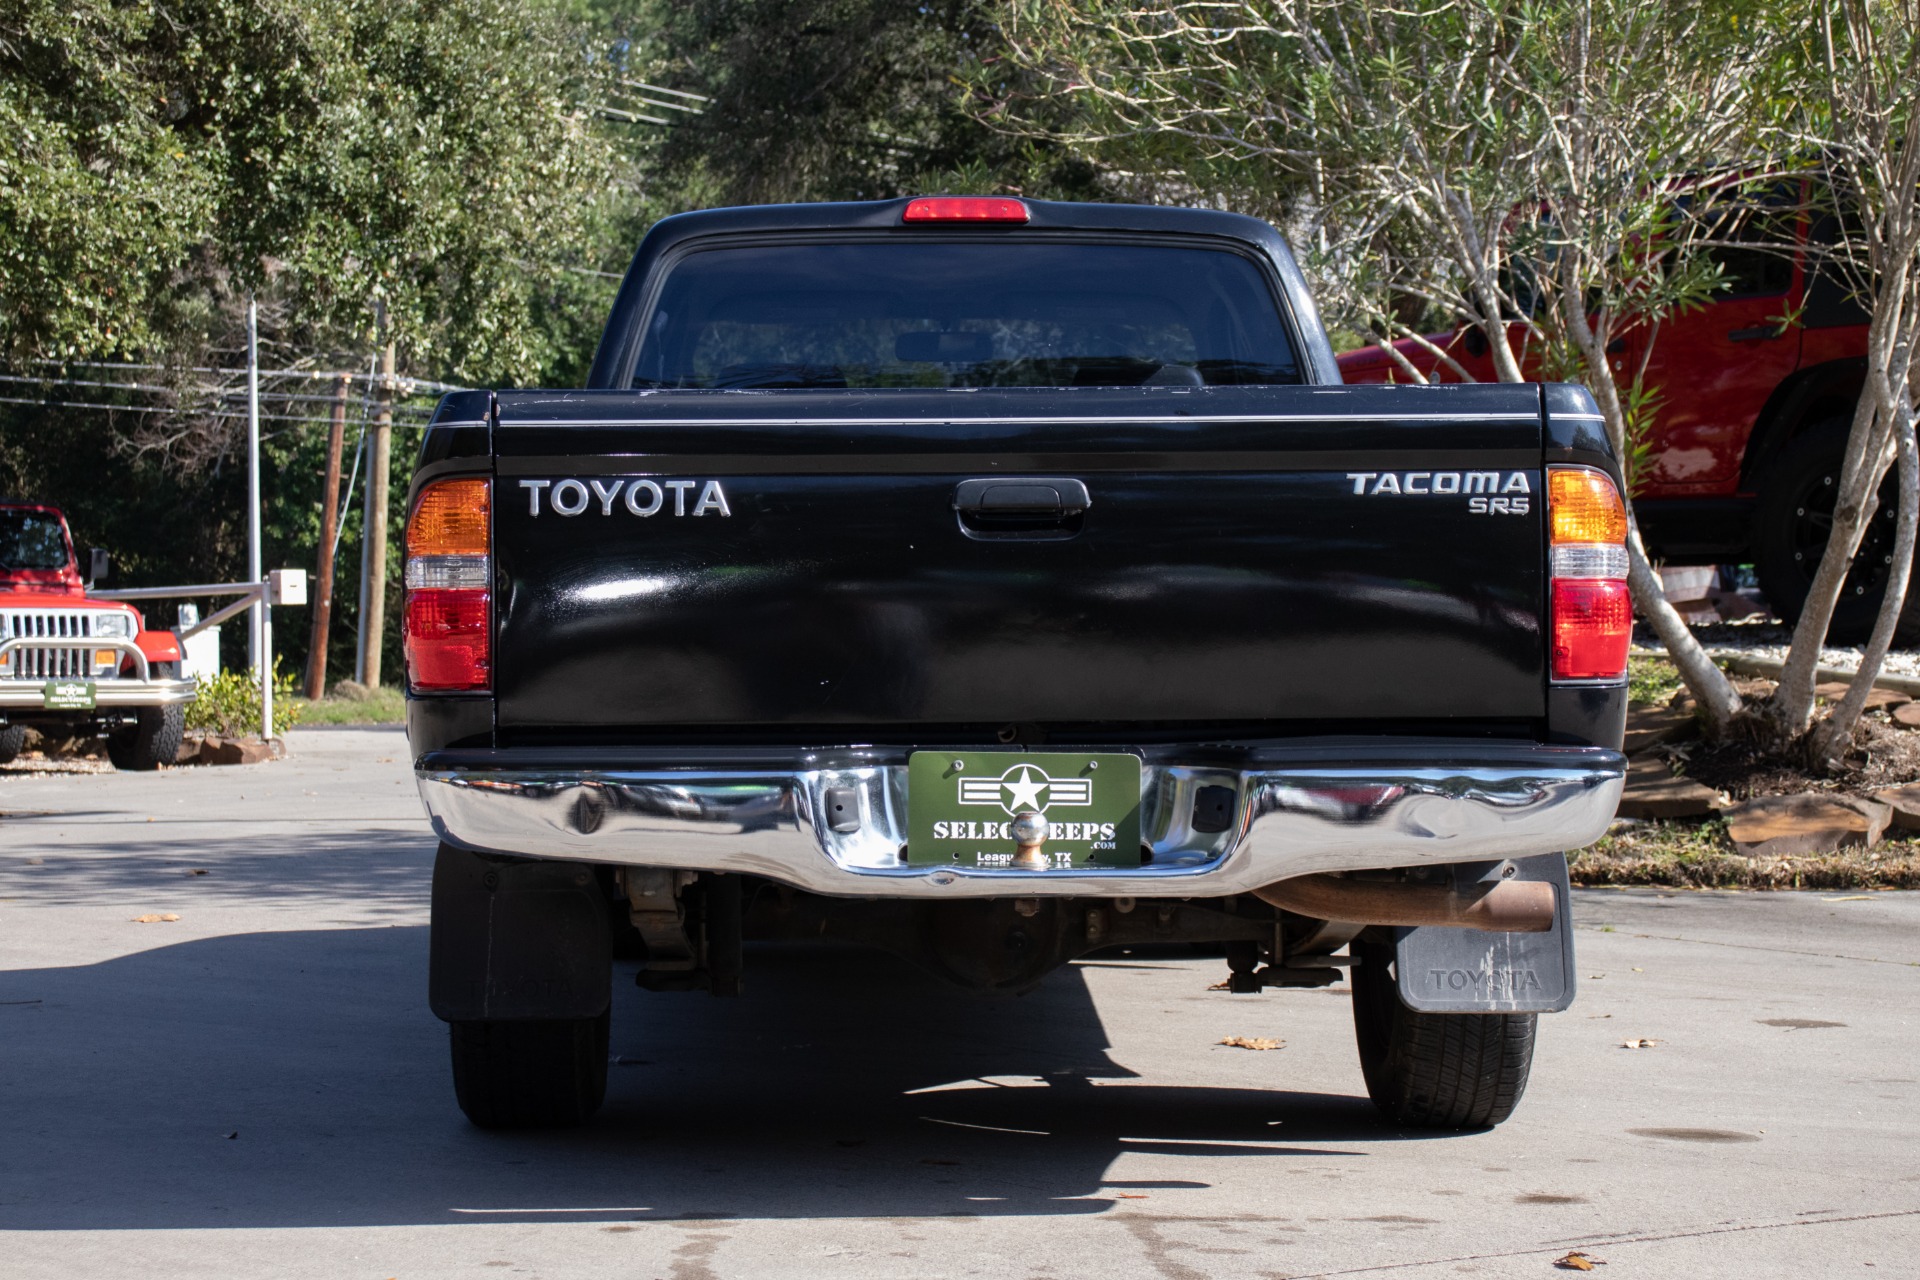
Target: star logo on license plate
x=1021, y=787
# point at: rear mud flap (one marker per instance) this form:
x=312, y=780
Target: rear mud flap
x=516, y=939
x=1445, y=970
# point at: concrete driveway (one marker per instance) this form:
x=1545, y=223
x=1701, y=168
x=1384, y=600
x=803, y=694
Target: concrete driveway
x=257, y=1088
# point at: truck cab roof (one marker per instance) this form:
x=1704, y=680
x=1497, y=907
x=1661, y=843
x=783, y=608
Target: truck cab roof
x=1045, y=220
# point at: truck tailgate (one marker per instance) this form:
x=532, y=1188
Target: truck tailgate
x=795, y=559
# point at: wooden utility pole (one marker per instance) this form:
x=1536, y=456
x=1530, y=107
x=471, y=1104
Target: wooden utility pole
x=329, y=528
x=373, y=564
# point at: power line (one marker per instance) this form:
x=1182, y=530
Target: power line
x=400, y=383
x=201, y=413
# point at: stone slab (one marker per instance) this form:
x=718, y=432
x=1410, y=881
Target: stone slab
x=1650, y=726
x=1778, y=826
x=1835, y=690
x=1905, y=804
x=235, y=751
x=1654, y=791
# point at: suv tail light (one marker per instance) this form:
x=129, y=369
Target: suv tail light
x=964, y=209
x=1587, y=550
x=449, y=608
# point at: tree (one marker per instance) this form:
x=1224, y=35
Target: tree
x=1861, y=59
x=825, y=100
x=1527, y=168
x=173, y=157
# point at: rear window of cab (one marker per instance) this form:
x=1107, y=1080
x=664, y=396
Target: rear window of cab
x=1001, y=313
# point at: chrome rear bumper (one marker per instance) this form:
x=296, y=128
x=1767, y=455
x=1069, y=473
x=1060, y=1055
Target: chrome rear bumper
x=1303, y=806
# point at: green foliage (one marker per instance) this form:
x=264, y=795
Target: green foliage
x=385, y=705
x=428, y=153
x=830, y=100
x=229, y=704
x=1650, y=680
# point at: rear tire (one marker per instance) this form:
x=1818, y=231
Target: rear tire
x=1793, y=520
x=13, y=740
x=546, y=1074
x=1435, y=1070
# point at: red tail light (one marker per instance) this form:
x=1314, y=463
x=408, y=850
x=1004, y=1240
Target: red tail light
x=1592, y=625
x=449, y=610
x=964, y=209
x=1592, y=609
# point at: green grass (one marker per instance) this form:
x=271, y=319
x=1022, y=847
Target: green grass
x=386, y=705
x=1650, y=679
x=1698, y=855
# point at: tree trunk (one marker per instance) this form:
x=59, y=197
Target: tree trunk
x=1837, y=733
x=329, y=522
x=1708, y=683
x=1867, y=445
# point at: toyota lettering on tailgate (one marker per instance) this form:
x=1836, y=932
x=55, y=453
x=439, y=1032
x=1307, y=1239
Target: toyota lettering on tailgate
x=636, y=497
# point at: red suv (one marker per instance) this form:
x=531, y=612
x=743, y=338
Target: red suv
x=1746, y=444
x=75, y=666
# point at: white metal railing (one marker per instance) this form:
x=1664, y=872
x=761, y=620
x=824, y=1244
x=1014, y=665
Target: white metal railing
x=282, y=586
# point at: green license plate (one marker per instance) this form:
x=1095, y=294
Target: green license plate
x=68, y=695
x=961, y=806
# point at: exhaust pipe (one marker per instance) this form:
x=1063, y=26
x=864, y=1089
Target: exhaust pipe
x=1506, y=906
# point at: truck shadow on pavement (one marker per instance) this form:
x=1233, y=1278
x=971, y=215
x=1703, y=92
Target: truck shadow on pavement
x=297, y=1079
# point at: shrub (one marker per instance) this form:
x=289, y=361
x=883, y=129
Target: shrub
x=229, y=704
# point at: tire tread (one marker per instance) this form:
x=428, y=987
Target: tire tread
x=1437, y=1070
x=530, y=1075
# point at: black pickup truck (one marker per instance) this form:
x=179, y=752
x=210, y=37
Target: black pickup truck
x=998, y=581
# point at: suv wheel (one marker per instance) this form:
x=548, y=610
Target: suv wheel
x=13, y=740
x=530, y=1075
x=1435, y=1070
x=1794, y=519
x=153, y=739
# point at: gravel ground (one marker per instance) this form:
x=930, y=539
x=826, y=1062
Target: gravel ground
x=1765, y=638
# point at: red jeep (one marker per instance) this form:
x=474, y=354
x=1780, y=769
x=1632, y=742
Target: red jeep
x=1746, y=445
x=73, y=666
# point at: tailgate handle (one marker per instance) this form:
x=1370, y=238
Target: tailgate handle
x=1021, y=507
x=1021, y=496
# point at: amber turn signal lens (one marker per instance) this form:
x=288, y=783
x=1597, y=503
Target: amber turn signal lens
x=1585, y=506
x=452, y=517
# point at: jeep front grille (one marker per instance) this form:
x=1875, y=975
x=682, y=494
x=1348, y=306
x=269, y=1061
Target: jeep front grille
x=52, y=662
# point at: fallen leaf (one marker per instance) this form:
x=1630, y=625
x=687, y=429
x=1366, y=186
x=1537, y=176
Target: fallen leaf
x=1251, y=1042
x=198, y=871
x=1642, y=1042
x=163, y=917
x=1219, y=986
x=1639, y=970
x=233, y=1135
x=1128, y=1195
x=1578, y=1261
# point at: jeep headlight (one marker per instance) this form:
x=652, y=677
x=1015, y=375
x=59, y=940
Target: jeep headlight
x=115, y=625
